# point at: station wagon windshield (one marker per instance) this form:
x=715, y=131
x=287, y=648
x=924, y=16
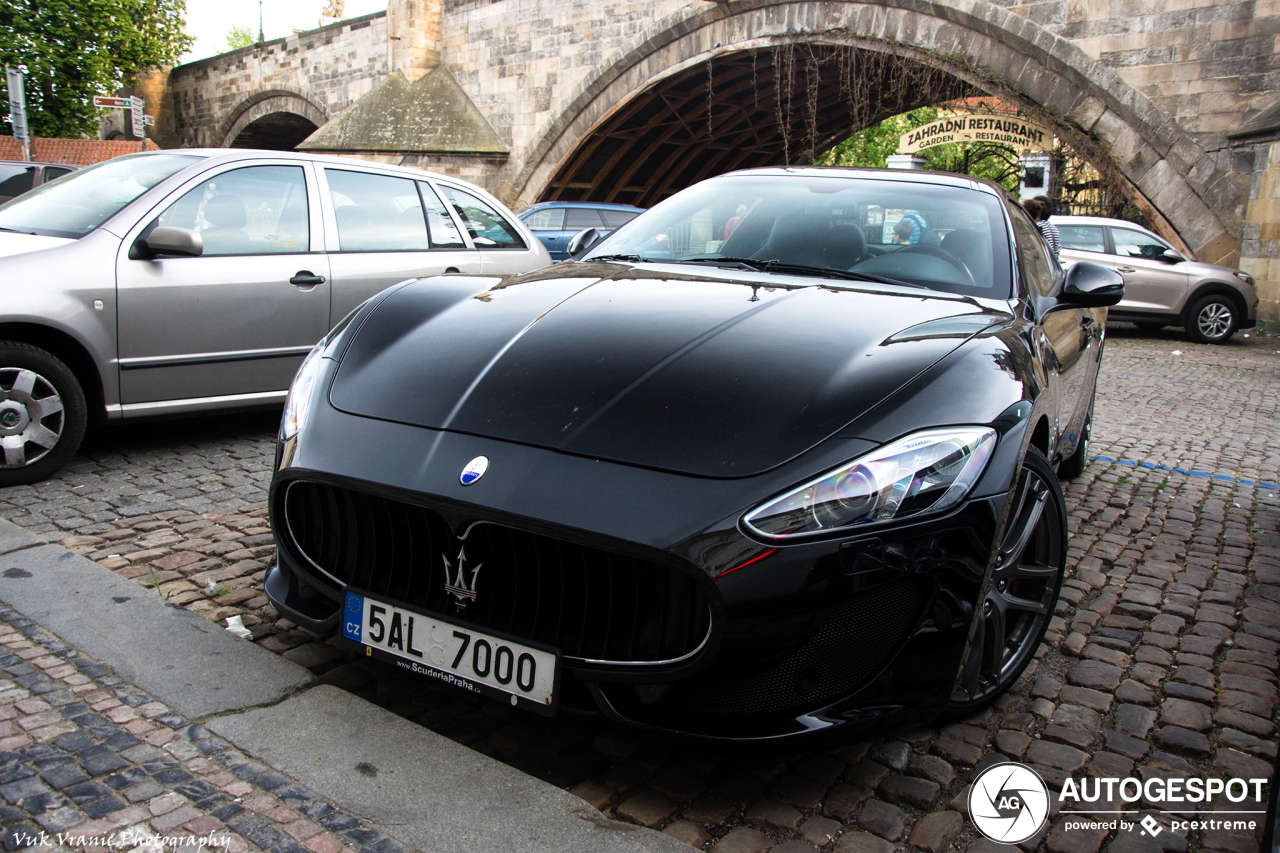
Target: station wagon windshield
x=917, y=234
x=78, y=203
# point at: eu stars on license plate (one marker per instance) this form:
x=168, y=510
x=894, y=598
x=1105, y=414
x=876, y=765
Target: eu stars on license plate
x=456, y=654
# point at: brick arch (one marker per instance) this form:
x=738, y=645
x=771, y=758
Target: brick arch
x=265, y=103
x=1159, y=159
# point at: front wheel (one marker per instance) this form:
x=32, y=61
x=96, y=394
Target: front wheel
x=1025, y=582
x=1212, y=320
x=42, y=414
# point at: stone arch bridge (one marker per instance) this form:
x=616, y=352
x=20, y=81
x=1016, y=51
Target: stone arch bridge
x=631, y=101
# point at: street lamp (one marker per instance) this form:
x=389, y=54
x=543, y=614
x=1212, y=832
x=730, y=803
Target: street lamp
x=261, y=37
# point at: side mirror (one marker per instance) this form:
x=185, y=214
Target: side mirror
x=1092, y=285
x=582, y=241
x=182, y=242
x=1173, y=256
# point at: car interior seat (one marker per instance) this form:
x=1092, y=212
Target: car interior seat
x=974, y=248
x=846, y=245
x=798, y=239
x=226, y=213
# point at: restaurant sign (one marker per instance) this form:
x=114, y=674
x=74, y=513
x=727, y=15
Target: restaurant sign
x=1001, y=128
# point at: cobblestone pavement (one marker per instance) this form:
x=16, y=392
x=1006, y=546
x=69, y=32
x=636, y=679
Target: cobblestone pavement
x=90, y=762
x=1161, y=660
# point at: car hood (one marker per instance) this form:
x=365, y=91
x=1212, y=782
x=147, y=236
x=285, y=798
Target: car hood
x=716, y=376
x=17, y=244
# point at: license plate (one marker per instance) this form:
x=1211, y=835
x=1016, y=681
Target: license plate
x=453, y=653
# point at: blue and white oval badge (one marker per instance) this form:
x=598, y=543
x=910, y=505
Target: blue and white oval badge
x=475, y=470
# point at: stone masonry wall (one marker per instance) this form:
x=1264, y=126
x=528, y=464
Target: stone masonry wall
x=329, y=68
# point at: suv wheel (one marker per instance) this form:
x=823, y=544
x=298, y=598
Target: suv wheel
x=1212, y=320
x=42, y=414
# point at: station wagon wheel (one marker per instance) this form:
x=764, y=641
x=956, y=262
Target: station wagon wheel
x=1023, y=591
x=1212, y=320
x=42, y=414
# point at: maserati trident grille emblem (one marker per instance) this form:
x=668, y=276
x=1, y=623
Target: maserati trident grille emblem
x=458, y=588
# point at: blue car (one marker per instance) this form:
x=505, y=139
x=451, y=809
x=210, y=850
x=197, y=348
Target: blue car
x=555, y=222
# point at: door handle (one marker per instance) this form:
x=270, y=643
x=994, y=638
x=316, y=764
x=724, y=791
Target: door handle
x=1125, y=269
x=306, y=278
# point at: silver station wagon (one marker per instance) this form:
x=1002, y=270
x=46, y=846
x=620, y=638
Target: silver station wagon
x=197, y=280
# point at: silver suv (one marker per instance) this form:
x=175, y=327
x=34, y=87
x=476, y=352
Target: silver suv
x=193, y=281
x=1162, y=287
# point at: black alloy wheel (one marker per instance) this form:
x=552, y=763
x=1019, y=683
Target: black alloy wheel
x=1212, y=320
x=43, y=414
x=1023, y=590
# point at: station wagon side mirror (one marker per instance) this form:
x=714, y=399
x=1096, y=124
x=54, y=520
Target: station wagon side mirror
x=1092, y=285
x=1173, y=256
x=167, y=240
x=582, y=241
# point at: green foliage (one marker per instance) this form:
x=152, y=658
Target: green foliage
x=872, y=146
x=238, y=37
x=75, y=49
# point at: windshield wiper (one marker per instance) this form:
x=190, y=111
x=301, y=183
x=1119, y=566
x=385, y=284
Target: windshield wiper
x=801, y=269
x=632, y=259
x=16, y=231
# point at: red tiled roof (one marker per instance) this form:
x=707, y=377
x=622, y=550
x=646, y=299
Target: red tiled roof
x=73, y=152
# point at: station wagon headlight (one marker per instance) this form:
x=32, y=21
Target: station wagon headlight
x=298, y=404
x=924, y=473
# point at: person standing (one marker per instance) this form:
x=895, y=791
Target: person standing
x=1039, y=213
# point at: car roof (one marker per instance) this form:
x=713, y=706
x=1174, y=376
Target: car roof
x=231, y=155
x=596, y=205
x=917, y=176
x=1096, y=220
x=38, y=163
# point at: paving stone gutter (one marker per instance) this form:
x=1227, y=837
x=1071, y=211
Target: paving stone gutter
x=1161, y=660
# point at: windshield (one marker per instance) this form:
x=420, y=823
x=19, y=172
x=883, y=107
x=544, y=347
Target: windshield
x=80, y=202
x=898, y=232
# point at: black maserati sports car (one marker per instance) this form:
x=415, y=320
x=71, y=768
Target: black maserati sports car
x=762, y=462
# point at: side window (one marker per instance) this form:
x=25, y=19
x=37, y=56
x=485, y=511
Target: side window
x=1135, y=244
x=488, y=229
x=1033, y=253
x=547, y=219
x=52, y=173
x=581, y=217
x=1082, y=238
x=258, y=210
x=618, y=218
x=377, y=213
x=444, y=234
x=15, y=180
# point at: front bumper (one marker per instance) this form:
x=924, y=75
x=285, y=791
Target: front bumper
x=865, y=633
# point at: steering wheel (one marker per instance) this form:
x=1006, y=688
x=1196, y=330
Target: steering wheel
x=939, y=252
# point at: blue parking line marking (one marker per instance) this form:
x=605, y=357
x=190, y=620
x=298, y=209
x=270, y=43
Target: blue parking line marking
x=1130, y=463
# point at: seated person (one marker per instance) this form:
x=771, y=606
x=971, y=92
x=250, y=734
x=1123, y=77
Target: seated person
x=902, y=232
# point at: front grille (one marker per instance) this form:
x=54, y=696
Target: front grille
x=857, y=640
x=590, y=603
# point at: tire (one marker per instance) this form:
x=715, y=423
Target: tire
x=1213, y=319
x=43, y=414
x=1019, y=602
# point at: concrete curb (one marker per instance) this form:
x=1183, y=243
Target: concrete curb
x=423, y=789
x=184, y=660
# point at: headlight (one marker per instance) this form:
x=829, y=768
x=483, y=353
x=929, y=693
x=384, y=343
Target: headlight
x=1245, y=277
x=926, y=472
x=298, y=403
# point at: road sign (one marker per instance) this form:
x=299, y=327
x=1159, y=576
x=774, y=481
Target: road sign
x=135, y=110
x=104, y=103
x=17, y=108
x=149, y=121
